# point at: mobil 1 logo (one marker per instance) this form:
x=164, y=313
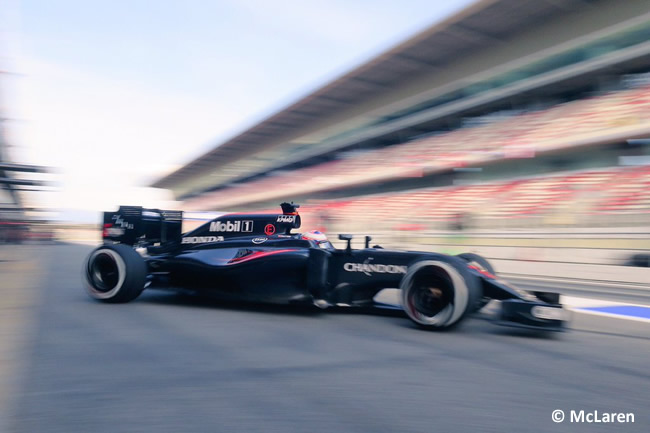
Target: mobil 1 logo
x=244, y=226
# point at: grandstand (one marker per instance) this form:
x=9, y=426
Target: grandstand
x=508, y=114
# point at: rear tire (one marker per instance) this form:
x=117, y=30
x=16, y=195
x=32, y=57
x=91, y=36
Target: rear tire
x=438, y=295
x=114, y=273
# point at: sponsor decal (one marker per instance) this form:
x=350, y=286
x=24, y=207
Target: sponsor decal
x=548, y=313
x=232, y=226
x=269, y=229
x=114, y=232
x=201, y=239
x=119, y=221
x=260, y=240
x=374, y=268
x=286, y=219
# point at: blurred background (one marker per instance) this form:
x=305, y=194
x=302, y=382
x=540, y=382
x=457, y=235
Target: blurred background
x=519, y=130
x=498, y=118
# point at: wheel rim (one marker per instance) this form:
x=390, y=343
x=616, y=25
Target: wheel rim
x=430, y=298
x=105, y=273
x=434, y=294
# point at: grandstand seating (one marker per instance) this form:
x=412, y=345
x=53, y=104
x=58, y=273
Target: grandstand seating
x=583, y=195
x=613, y=191
x=572, y=123
x=519, y=202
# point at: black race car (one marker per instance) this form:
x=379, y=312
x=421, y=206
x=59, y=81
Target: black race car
x=259, y=258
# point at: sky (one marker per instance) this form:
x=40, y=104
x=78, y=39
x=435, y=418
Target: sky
x=117, y=94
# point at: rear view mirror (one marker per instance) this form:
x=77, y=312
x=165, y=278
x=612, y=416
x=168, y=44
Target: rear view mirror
x=348, y=238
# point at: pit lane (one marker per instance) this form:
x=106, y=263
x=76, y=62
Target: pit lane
x=175, y=363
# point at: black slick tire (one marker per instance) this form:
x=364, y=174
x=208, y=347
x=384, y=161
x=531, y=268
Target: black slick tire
x=114, y=273
x=438, y=294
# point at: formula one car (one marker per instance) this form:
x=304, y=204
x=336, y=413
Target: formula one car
x=259, y=258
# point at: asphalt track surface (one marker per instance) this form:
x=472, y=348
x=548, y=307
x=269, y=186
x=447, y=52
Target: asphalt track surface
x=176, y=363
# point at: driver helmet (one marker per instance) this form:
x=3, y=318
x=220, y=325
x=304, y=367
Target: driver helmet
x=319, y=237
x=315, y=235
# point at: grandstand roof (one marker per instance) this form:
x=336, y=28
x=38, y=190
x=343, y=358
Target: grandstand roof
x=484, y=23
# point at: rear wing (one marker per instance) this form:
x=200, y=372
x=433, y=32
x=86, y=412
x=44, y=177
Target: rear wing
x=132, y=224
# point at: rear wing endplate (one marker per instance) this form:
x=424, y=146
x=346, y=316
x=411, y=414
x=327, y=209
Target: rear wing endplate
x=132, y=224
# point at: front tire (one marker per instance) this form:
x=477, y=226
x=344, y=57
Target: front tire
x=438, y=295
x=114, y=273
